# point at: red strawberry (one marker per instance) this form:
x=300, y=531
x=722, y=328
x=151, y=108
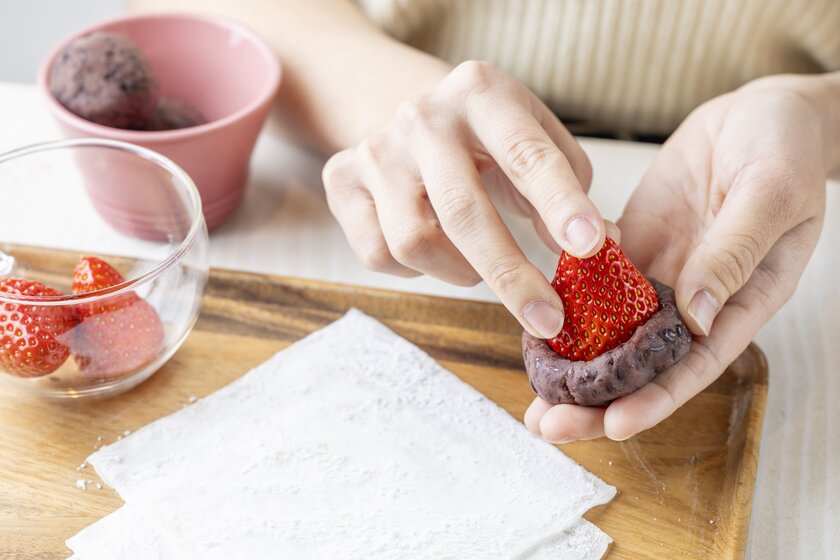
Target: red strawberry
x=30, y=334
x=605, y=298
x=93, y=274
x=118, y=334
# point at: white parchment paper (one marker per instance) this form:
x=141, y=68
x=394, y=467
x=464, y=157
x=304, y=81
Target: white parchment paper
x=351, y=443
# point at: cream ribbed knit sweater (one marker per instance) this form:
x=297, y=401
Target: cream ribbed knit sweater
x=632, y=65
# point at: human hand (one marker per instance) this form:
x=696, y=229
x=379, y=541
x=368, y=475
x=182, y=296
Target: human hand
x=729, y=214
x=418, y=196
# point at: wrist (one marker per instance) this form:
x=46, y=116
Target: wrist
x=367, y=82
x=821, y=95
x=394, y=72
x=833, y=101
x=824, y=93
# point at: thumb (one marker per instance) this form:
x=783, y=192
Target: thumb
x=745, y=229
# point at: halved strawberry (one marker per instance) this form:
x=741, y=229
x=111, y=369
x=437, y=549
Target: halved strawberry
x=117, y=342
x=120, y=333
x=30, y=335
x=605, y=298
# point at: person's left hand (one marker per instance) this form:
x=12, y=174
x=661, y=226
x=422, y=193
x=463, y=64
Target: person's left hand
x=729, y=214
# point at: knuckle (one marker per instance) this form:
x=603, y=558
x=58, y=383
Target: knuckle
x=338, y=190
x=376, y=257
x=780, y=184
x=710, y=366
x=372, y=151
x=556, y=201
x=336, y=171
x=408, y=246
x=765, y=298
x=775, y=284
x=458, y=207
x=733, y=263
x=416, y=111
x=475, y=75
x=333, y=203
x=526, y=156
x=703, y=366
x=504, y=274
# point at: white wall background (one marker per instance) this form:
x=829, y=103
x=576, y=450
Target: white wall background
x=30, y=28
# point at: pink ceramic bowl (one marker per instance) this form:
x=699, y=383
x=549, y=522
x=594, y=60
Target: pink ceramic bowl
x=219, y=67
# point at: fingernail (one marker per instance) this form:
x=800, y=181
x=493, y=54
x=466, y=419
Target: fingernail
x=561, y=441
x=703, y=308
x=546, y=319
x=581, y=234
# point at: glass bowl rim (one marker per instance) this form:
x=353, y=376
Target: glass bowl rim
x=174, y=256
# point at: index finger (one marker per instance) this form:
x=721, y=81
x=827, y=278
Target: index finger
x=539, y=169
x=470, y=220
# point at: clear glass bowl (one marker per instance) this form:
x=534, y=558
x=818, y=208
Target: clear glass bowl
x=132, y=208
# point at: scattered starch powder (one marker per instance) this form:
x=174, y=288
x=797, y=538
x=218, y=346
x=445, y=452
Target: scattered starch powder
x=83, y=484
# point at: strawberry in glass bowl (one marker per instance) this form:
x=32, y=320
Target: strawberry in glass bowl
x=90, y=308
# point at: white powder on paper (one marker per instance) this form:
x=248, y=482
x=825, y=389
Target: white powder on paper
x=351, y=443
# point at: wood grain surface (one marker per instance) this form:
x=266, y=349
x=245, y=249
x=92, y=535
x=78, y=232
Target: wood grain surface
x=685, y=487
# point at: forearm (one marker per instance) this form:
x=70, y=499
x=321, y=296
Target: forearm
x=342, y=77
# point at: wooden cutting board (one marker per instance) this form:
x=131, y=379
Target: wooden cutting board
x=685, y=487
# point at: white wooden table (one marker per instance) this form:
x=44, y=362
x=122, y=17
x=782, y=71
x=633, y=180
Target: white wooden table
x=284, y=227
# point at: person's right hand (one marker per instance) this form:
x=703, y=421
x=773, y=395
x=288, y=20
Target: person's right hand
x=418, y=196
